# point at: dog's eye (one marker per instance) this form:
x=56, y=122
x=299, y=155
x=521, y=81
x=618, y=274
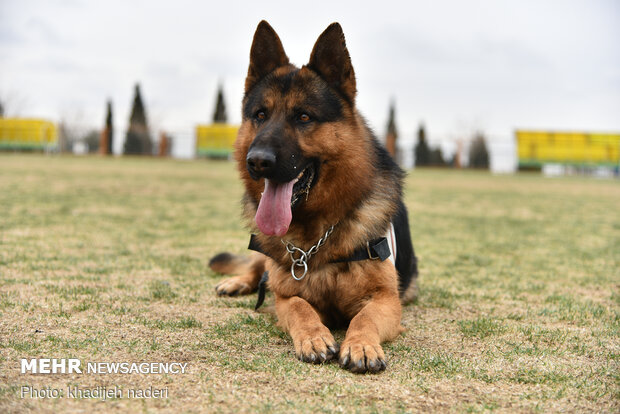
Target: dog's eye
x=260, y=115
x=304, y=118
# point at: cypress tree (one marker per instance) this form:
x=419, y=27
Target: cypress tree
x=138, y=141
x=478, y=153
x=436, y=158
x=219, y=116
x=422, y=152
x=392, y=134
x=109, y=128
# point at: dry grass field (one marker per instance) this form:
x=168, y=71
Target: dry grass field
x=105, y=260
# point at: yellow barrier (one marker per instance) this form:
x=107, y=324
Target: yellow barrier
x=27, y=134
x=215, y=140
x=535, y=148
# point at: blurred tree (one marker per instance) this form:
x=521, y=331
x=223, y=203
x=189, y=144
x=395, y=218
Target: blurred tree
x=92, y=140
x=421, y=151
x=436, y=158
x=105, y=146
x=453, y=161
x=164, y=147
x=138, y=141
x=219, y=116
x=109, y=128
x=392, y=134
x=478, y=154
x=12, y=104
x=133, y=143
x=72, y=128
x=65, y=138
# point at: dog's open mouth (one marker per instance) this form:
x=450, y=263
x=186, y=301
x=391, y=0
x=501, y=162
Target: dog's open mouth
x=274, y=212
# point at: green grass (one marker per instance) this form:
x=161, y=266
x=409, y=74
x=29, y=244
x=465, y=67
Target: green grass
x=162, y=290
x=106, y=260
x=481, y=327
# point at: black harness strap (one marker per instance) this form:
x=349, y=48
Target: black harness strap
x=255, y=245
x=373, y=250
x=262, y=287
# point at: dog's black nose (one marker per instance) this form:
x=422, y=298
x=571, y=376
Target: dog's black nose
x=261, y=162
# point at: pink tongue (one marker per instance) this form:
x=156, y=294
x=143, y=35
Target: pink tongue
x=274, y=210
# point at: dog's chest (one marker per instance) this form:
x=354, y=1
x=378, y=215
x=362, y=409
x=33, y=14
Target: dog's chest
x=335, y=290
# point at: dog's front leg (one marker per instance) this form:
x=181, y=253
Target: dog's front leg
x=376, y=322
x=313, y=341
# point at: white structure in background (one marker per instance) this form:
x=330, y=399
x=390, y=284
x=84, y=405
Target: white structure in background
x=502, y=155
x=80, y=148
x=553, y=170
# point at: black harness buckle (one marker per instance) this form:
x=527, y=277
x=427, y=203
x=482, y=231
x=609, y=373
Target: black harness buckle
x=369, y=253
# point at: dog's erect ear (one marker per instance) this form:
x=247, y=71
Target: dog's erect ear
x=266, y=54
x=330, y=59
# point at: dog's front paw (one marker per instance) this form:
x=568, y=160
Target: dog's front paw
x=360, y=356
x=316, y=346
x=233, y=286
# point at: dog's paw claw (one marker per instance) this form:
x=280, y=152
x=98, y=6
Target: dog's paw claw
x=317, y=349
x=360, y=359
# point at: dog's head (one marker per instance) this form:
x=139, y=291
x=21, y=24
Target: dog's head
x=297, y=124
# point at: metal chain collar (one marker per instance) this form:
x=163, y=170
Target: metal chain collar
x=302, y=260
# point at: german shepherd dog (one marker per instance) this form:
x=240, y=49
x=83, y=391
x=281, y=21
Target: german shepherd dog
x=325, y=199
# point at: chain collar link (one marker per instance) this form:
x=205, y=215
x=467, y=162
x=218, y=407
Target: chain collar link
x=302, y=260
